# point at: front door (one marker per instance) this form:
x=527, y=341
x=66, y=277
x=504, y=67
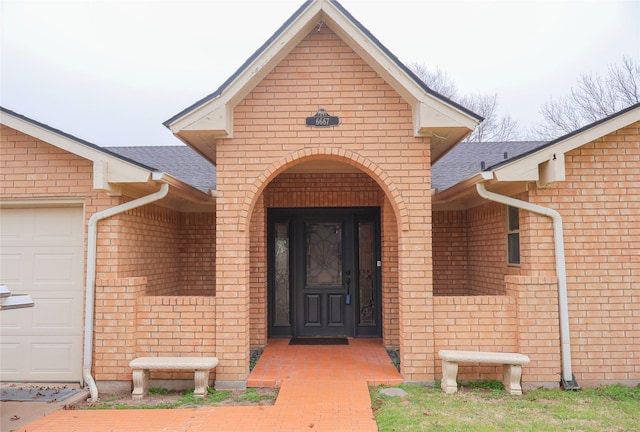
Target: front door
x=324, y=272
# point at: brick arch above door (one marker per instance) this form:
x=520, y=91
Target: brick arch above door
x=337, y=154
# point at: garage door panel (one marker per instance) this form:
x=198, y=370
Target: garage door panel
x=14, y=228
x=41, y=227
x=57, y=225
x=43, y=256
x=39, y=359
x=11, y=356
x=51, y=356
x=55, y=266
x=54, y=314
x=10, y=268
x=16, y=322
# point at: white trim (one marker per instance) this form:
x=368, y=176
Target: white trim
x=107, y=169
x=531, y=167
x=41, y=203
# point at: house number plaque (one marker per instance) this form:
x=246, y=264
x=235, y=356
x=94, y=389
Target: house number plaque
x=323, y=119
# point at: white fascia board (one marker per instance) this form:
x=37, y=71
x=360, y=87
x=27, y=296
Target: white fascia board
x=110, y=169
x=527, y=168
x=371, y=54
x=429, y=112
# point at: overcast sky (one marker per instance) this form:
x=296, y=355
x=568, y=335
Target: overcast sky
x=111, y=71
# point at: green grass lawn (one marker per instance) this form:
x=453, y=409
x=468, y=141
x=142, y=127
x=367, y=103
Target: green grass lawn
x=489, y=408
x=160, y=398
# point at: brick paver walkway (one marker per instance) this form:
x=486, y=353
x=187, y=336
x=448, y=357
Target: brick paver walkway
x=322, y=388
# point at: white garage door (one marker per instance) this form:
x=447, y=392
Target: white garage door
x=42, y=254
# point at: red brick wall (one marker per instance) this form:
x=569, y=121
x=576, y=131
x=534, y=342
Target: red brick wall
x=198, y=254
x=600, y=206
x=487, y=234
x=600, y=209
x=475, y=323
x=525, y=321
x=115, y=331
x=450, y=253
x=323, y=190
x=34, y=169
x=129, y=324
x=175, y=326
x=174, y=251
x=538, y=327
x=142, y=242
x=470, y=250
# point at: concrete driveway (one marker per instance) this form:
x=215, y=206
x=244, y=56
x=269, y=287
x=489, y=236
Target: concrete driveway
x=16, y=415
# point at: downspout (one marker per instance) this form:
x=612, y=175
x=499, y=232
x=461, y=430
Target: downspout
x=568, y=380
x=91, y=274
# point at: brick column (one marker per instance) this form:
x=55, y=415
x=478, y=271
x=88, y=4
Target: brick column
x=232, y=291
x=416, y=310
x=538, y=327
x=416, y=280
x=115, y=327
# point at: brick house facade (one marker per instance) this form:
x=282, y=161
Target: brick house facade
x=196, y=272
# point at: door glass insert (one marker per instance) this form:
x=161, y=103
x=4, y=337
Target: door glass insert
x=282, y=315
x=324, y=254
x=366, y=266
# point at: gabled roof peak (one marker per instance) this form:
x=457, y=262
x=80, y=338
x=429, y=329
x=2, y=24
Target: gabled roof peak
x=212, y=117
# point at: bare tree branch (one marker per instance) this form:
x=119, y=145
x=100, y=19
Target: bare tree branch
x=592, y=98
x=625, y=79
x=493, y=128
x=438, y=80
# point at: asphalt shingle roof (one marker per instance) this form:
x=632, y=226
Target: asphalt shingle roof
x=461, y=163
x=181, y=162
x=465, y=160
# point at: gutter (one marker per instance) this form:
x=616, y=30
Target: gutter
x=568, y=380
x=91, y=274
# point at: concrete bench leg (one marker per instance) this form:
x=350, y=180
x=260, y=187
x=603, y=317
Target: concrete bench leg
x=140, y=383
x=201, y=378
x=511, y=379
x=449, y=375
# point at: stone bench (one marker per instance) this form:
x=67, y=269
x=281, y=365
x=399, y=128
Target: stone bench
x=512, y=367
x=142, y=365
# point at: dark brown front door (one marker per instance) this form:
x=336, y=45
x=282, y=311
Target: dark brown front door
x=324, y=272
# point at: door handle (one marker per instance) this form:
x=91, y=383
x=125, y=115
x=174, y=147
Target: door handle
x=347, y=281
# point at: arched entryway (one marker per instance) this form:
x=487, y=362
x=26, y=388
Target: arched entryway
x=323, y=204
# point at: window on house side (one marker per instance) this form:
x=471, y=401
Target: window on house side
x=513, y=235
